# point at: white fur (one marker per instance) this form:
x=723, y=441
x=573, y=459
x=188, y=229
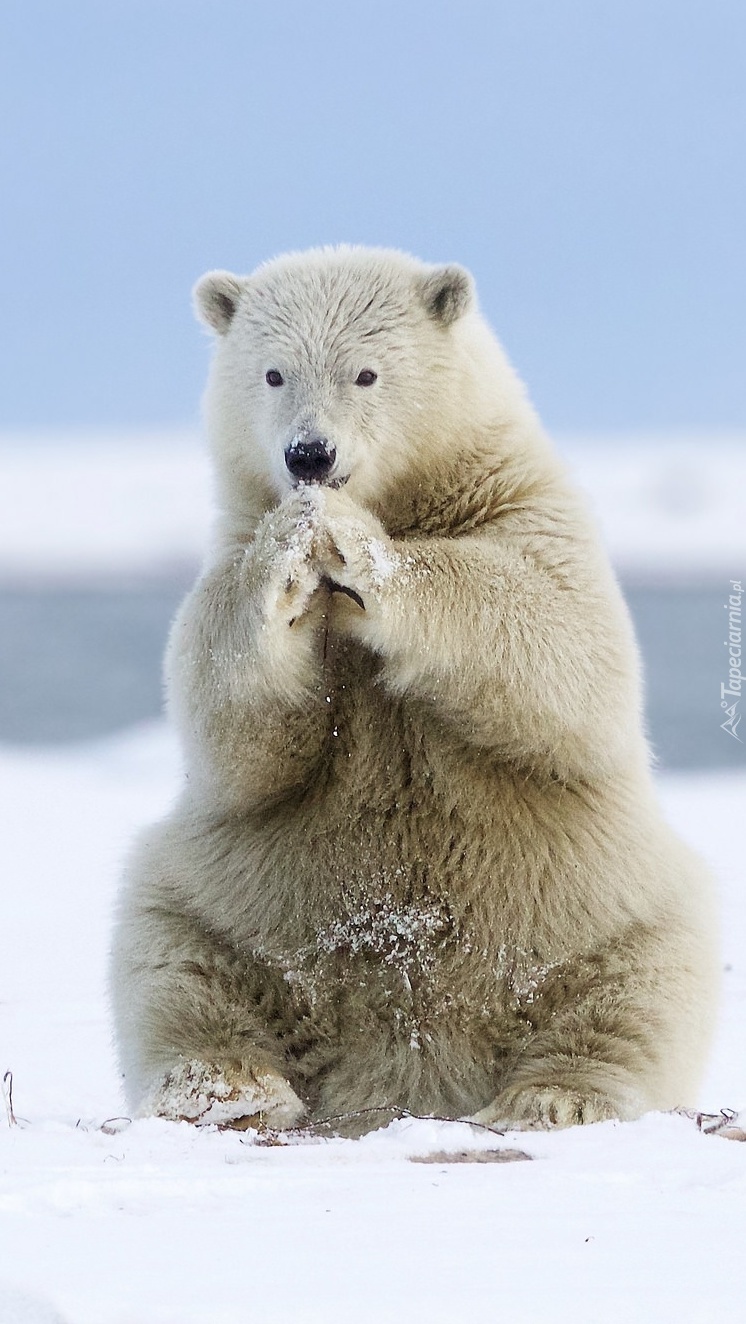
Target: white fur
x=418, y=859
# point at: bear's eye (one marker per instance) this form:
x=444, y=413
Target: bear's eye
x=366, y=377
x=274, y=378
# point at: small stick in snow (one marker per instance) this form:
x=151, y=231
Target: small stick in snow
x=8, y=1098
x=403, y=1114
x=395, y=1115
x=728, y=1124
x=113, y=1125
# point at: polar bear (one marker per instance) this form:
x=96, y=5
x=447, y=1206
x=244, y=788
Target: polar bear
x=417, y=861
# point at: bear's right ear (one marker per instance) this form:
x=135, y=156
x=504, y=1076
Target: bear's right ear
x=215, y=298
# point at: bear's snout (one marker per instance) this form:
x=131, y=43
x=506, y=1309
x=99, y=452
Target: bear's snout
x=312, y=460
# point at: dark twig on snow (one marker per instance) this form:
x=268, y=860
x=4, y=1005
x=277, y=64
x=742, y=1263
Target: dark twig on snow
x=403, y=1114
x=395, y=1115
x=113, y=1125
x=727, y=1123
x=8, y=1098
x=709, y=1123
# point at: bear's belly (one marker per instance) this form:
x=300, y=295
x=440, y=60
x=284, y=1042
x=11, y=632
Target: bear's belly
x=385, y=1007
x=395, y=993
x=420, y=939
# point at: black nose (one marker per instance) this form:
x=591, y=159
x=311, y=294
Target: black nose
x=310, y=461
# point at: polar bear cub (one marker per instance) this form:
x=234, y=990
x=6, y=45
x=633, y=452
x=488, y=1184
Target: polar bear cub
x=417, y=860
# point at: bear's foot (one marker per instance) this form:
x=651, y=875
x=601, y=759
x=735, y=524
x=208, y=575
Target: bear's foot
x=206, y=1095
x=541, y=1107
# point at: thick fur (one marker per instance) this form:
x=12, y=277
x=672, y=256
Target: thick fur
x=417, y=861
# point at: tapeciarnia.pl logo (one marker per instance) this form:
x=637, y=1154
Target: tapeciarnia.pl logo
x=732, y=690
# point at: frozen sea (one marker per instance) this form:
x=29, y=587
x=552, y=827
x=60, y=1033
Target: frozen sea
x=82, y=660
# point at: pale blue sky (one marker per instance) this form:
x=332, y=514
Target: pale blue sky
x=586, y=158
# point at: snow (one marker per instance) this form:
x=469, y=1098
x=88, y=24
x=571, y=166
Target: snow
x=102, y=504
x=124, y=503
x=156, y=1222
x=104, y=1220
x=667, y=507
x=383, y=563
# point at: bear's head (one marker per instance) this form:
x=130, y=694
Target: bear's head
x=343, y=366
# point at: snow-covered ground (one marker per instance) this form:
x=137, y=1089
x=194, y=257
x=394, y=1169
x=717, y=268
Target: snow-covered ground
x=102, y=505
x=157, y=1223
x=103, y=1221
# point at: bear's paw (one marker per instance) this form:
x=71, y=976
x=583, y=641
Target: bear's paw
x=543, y=1107
x=354, y=552
x=201, y=1093
x=284, y=546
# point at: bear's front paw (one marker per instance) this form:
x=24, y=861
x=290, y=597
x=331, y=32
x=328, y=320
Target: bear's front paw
x=284, y=545
x=541, y=1107
x=353, y=553
x=194, y=1091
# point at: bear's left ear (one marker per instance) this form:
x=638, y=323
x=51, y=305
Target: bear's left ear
x=447, y=293
x=216, y=297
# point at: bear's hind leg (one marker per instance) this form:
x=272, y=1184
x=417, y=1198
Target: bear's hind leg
x=198, y=1025
x=615, y=1035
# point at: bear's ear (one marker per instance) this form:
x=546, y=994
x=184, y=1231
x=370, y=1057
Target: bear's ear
x=447, y=292
x=215, y=298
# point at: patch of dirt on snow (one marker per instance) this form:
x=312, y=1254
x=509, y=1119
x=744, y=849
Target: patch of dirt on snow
x=472, y=1156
